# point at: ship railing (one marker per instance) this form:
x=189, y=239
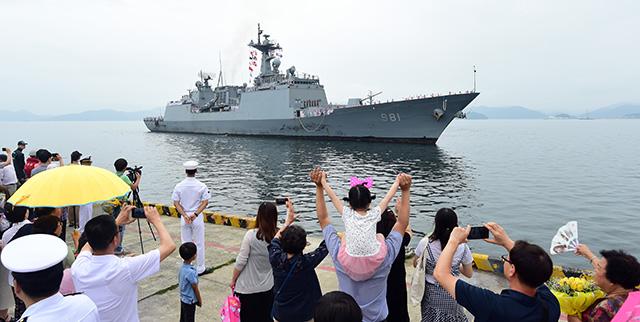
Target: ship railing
x=154, y=119
x=434, y=95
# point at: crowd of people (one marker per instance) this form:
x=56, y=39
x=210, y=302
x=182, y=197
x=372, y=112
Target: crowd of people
x=96, y=279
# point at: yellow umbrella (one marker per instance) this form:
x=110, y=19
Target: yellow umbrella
x=71, y=185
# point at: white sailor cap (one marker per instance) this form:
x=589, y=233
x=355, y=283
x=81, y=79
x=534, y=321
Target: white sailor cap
x=33, y=253
x=190, y=165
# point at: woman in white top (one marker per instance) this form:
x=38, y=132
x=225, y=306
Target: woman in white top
x=437, y=304
x=252, y=276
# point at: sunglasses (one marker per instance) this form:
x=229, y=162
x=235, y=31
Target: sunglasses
x=505, y=259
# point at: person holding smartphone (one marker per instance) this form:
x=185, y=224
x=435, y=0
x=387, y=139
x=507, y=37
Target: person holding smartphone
x=526, y=268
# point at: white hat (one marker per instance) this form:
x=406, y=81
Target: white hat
x=33, y=253
x=190, y=165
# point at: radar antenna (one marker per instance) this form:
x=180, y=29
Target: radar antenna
x=205, y=77
x=370, y=97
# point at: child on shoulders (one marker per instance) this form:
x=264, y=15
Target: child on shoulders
x=362, y=250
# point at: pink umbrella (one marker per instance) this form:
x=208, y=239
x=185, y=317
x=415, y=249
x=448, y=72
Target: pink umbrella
x=630, y=310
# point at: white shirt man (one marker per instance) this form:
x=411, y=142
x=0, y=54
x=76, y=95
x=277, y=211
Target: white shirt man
x=110, y=281
x=191, y=197
x=36, y=265
x=8, y=176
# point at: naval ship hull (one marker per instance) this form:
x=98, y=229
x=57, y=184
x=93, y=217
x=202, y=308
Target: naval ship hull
x=408, y=121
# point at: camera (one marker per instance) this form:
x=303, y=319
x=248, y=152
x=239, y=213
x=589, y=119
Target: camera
x=281, y=201
x=138, y=213
x=4, y=149
x=131, y=172
x=55, y=156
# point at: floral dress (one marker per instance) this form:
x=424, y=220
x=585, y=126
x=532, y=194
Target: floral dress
x=605, y=309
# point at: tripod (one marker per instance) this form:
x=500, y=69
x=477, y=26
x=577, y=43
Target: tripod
x=140, y=207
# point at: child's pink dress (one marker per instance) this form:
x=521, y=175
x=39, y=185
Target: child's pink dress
x=362, y=250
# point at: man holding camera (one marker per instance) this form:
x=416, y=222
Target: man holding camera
x=191, y=197
x=111, y=281
x=121, y=171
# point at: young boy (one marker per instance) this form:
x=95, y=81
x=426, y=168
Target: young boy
x=188, y=279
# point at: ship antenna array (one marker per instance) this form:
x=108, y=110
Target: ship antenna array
x=370, y=97
x=474, y=78
x=220, y=77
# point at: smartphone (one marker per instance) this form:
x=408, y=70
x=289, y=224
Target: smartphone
x=281, y=201
x=478, y=233
x=4, y=149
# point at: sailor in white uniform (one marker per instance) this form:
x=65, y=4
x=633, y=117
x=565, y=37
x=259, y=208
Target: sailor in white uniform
x=191, y=197
x=35, y=262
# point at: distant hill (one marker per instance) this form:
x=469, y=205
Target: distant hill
x=564, y=116
x=622, y=110
x=632, y=116
x=507, y=112
x=476, y=116
x=17, y=116
x=99, y=115
x=105, y=115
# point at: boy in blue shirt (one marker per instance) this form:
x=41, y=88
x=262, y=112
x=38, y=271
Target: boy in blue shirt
x=188, y=280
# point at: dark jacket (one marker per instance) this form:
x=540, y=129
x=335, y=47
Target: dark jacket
x=18, y=164
x=296, y=300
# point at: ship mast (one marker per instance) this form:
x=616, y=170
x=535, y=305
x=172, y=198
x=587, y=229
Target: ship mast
x=266, y=47
x=220, y=77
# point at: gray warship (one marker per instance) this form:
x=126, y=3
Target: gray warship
x=293, y=104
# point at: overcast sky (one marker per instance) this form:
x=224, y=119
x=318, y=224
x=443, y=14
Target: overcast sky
x=69, y=56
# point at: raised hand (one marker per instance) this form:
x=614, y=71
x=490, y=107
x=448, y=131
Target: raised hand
x=584, y=251
x=152, y=214
x=404, y=181
x=459, y=234
x=500, y=236
x=316, y=176
x=124, y=217
x=291, y=215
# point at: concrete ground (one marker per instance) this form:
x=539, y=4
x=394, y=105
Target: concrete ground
x=159, y=298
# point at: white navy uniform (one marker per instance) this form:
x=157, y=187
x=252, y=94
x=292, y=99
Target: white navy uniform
x=190, y=192
x=70, y=308
x=36, y=253
x=85, y=213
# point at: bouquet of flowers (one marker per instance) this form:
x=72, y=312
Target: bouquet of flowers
x=575, y=294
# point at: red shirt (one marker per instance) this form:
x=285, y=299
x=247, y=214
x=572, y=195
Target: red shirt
x=31, y=163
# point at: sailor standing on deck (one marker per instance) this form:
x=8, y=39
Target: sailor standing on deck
x=191, y=197
x=35, y=262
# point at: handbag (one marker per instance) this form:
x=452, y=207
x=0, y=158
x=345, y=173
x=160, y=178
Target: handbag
x=416, y=290
x=230, y=311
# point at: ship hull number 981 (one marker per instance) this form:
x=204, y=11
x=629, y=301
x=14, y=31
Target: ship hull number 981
x=390, y=117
